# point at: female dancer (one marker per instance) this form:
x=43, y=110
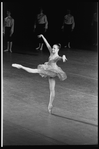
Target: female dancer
x=49, y=69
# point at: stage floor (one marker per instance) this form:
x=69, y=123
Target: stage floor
x=74, y=118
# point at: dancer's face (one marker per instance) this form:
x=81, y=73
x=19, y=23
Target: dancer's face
x=8, y=13
x=55, y=49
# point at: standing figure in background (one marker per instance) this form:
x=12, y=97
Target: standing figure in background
x=8, y=30
x=40, y=26
x=68, y=27
x=94, y=29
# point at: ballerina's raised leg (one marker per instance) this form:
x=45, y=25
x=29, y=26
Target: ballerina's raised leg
x=30, y=70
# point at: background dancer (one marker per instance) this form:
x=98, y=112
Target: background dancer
x=68, y=27
x=8, y=30
x=40, y=26
x=94, y=29
x=49, y=69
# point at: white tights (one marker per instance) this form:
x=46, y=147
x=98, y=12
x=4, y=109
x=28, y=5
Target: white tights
x=52, y=93
x=30, y=70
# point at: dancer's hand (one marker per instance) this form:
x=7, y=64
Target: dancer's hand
x=17, y=66
x=64, y=58
x=40, y=35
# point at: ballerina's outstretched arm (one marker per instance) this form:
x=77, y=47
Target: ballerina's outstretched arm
x=46, y=42
x=30, y=70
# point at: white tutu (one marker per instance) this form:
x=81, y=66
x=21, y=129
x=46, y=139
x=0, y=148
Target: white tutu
x=50, y=71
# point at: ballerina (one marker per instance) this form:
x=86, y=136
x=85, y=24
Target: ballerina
x=49, y=69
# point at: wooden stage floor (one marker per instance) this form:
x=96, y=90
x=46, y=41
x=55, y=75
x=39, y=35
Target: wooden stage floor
x=74, y=119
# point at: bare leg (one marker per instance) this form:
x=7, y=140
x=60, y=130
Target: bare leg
x=52, y=93
x=41, y=47
x=30, y=70
x=10, y=46
x=38, y=47
x=68, y=44
x=7, y=47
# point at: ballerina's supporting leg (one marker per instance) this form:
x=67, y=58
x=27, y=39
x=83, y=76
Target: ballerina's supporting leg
x=52, y=93
x=30, y=70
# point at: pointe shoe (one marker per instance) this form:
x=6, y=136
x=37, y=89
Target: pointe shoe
x=50, y=108
x=16, y=65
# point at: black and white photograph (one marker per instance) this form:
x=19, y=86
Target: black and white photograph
x=49, y=73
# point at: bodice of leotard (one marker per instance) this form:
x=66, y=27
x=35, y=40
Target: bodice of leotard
x=53, y=59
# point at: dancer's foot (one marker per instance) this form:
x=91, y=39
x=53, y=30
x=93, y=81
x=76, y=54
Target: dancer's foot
x=17, y=66
x=6, y=50
x=10, y=50
x=37, y=48
x=50, y=108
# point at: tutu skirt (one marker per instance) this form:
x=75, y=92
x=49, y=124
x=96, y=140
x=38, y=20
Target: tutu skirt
x=47, y=70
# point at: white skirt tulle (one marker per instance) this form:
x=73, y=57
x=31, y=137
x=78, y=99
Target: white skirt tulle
x=47, y=70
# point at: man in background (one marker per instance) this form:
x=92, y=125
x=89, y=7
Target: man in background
x=8, y=30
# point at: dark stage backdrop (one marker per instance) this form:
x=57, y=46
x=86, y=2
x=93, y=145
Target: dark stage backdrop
x=24, y=15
